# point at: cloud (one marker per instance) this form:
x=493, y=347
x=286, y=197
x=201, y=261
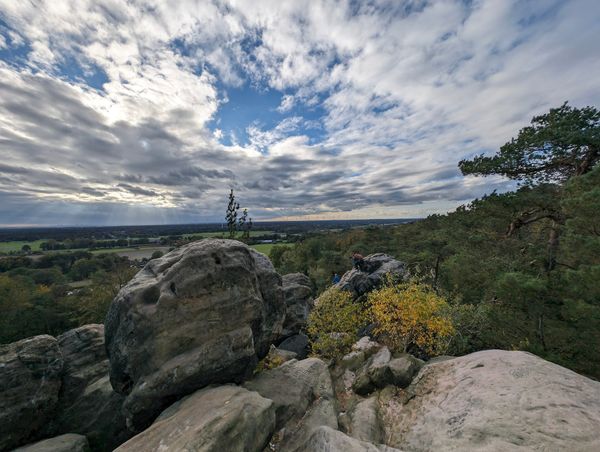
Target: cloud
x=116, y=106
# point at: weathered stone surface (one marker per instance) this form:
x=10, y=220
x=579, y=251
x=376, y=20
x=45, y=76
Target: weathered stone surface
x=374, y=374
x=293, y=387
x=87, y=402
x=69, y=442
x=202, y=314
x=376, y=267
x=297, y=343
x=29, y=384
x=403, y=369
x=326, y=439
x=361, y=351
x=215, y=419
x=496, y=401
x=321, y=413
x=298, y=296
x=365, y=423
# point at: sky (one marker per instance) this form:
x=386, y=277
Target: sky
x=148, y=112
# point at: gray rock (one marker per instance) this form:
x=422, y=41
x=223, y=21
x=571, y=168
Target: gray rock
x=376, y=267
x=361, y=351
x=326, y=439
x=69, y=442
x=216, y=419
x=374, y=374
x=87, y=404
x=298, y=296
x=365, y=423
x=496, y=401
x=297, y=343
x=321, y=413
x=293, y=387
x=30, y=381
x=403, y=369
x=202, y=314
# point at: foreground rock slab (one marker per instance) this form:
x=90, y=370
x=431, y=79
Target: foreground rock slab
x=202, y=314
x=69, y=442
x=217, y=419
x=29, y=386
x=496, y=401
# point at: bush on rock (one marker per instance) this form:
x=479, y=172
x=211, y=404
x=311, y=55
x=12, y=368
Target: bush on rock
x=411, y=314
x=334, y=322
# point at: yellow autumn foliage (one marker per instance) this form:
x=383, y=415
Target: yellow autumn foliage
x=411, y=313
x=333, y=323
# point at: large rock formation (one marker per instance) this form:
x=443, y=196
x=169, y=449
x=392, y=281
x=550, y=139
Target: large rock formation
x=202, y=314
x=224, y=418
x=297, y=293
x=87, y=402
x=29, y=386
x=375, y=268
x=69, y=442
x=495, y=401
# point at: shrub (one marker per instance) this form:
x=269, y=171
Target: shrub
x=411, y=314
x=471, y=325
x=333, y=324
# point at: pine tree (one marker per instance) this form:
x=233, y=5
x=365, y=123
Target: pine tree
x=231, y=215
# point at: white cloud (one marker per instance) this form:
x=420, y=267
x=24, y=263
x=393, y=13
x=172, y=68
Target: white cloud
x=408, y=88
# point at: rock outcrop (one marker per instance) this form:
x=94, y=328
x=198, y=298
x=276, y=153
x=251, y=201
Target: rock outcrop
x=298, y=296
x=326, y=439
x=29, y=384
x=69, y=442
x=303, y=395
x=202, y=314
x=375, y=269
x=223, y=418
x=495, y=400
x=298, y=344
x=87, y=404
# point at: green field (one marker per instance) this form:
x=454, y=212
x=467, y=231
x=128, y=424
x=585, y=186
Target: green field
x=265, y=248
x=7, y=247
x=225, y=234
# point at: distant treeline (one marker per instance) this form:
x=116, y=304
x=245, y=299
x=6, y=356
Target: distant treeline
x=123, y=232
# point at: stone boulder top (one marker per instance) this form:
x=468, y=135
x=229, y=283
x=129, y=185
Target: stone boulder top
x=376, y=267
x=202, y=314
x=497, y=400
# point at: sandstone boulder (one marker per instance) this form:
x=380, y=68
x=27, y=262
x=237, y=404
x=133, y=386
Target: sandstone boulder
x=365, y=422
x=202, y=314
x=87, y=402
x=496, y=400
x=298, y=296
x=69, y=442
x=403, y=369
x=298, y=344
x=326, y=439
x=215, y=419
x=374, y=374
x=376, y=267
x=293, y=387
x=361, y=351
x=30, y=381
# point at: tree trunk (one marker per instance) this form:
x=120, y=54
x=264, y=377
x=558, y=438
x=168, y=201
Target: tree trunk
x=437, y=270
x=541, y=331
x=553, y=242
